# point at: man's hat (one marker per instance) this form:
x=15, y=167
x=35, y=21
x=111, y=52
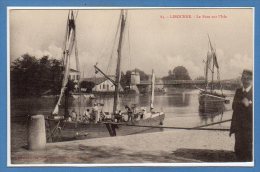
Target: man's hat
x=247, y=73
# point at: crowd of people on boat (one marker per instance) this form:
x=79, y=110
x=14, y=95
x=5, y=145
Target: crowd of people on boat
x=95, y=114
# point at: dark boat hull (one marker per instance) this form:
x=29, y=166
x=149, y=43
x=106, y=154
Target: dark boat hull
x=211, y=103
x=65, y=131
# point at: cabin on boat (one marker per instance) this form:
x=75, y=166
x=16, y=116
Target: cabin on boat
x=101, y=84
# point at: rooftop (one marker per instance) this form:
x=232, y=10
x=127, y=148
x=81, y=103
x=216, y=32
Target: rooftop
x=96, y=80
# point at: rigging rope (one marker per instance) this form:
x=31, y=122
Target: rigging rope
x=77, y=11
x=65, y=39
x=104, y=47
x=129, y=46
x=114, y=43
x=180, y=128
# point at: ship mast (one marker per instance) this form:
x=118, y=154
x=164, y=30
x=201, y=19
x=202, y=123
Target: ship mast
x=70, y=37
x=118, y=68
x=213, y=64
x=152, y=91
x=212, y=79
x=206, y=70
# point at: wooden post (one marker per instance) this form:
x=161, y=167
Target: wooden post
x=36, y=133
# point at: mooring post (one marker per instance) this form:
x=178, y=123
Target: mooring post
x=36, y=133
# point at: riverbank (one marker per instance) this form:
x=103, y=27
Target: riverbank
x=173, y=146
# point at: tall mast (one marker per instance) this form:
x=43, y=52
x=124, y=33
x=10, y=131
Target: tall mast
x=206, y=70
x=212, y=79
x=68, y=46
x=118, y=68
x=213, y=62
x=152, y=90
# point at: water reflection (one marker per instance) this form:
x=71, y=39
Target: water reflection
x=180, y=106
x=210, y=117
x=209, y=111
x=179, y=99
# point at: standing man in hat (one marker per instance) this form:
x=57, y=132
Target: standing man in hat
x=242, y=119
x=95, y=112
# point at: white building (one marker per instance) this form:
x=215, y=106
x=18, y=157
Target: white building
x=135, y=78
x=74, y=75
x=102, y=84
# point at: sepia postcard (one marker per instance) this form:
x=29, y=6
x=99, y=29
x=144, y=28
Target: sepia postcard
x=130, y=86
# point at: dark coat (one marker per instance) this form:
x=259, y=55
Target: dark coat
x=241, y=125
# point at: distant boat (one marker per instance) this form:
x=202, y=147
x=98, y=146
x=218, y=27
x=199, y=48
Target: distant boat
x=211, y=100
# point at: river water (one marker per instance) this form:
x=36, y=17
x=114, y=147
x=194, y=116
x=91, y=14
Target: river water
x=179, y=105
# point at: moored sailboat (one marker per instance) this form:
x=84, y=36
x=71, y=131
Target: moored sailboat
x=139, y=119
x=210, y=99
x=61, y=127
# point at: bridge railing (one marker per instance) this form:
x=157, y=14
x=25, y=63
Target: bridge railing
x=174, y=82
x=186, y=82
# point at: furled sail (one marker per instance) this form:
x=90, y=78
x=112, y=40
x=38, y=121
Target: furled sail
x=215, y=61
x=209, y=57
x=214, y=56
x=69, y=43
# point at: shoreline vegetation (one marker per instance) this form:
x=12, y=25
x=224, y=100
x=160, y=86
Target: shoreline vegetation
x=30, y=77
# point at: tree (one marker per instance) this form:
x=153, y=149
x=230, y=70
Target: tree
x=32, y=77
x=87, y=85
x=24, y=76
x=56, y=75
x=181, y=73
x=70, y=85
x=178, y=73
x=125, y=79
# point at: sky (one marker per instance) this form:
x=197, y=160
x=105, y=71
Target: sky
x=153, y=38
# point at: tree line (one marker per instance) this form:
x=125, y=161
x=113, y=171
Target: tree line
x=33, y=77
x=30, y=76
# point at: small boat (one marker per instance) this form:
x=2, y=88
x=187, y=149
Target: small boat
x=60, y=127
x=210, y=99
